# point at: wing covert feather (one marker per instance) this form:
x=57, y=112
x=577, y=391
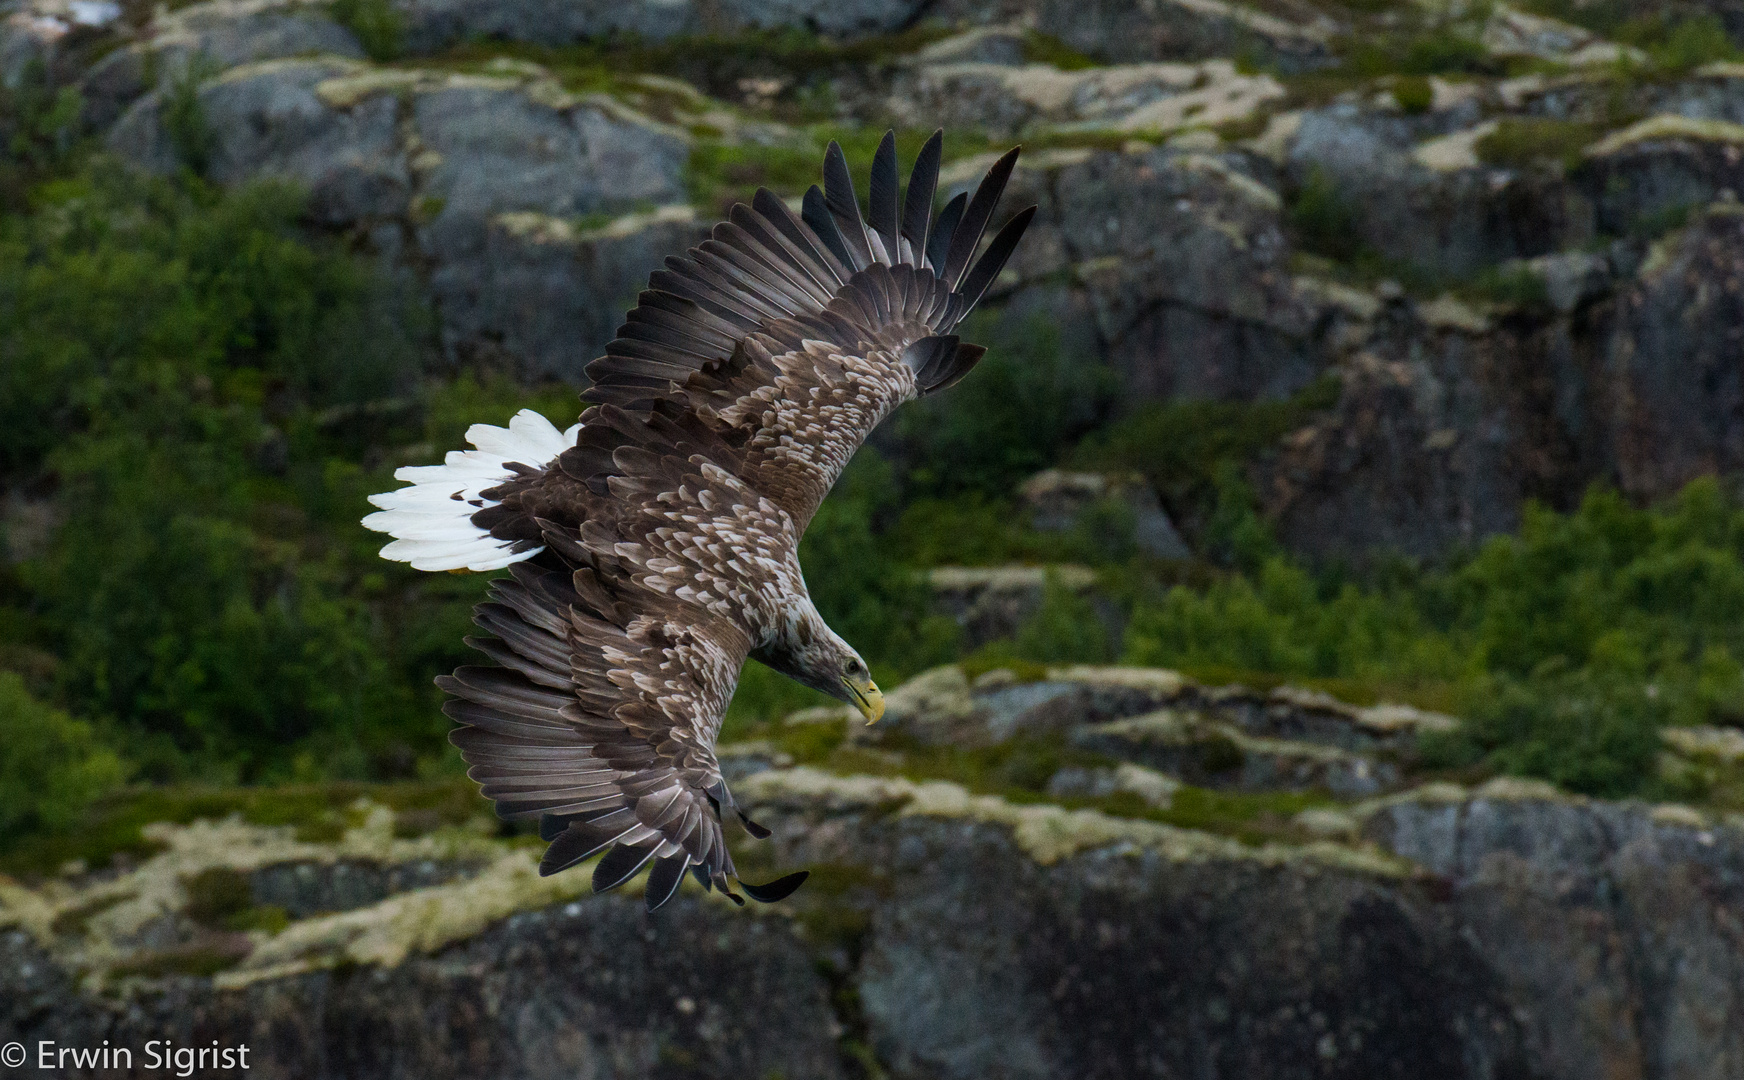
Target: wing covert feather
x=734, y=395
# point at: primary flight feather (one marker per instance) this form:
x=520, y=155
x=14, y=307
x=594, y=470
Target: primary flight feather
x=654, y=546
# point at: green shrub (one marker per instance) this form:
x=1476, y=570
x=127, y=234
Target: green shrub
x=1570, y=644
x=1064, y=630
x=377, y=24
x=1521, y=141
x=184, y=117
x=1193, y=453
x=1323, y=217
x=861, y=583
x=1413, y=93
x=1441, y=49
x=174, y=358
x=1515, y=285
x=51, y=766
x=39, y=130
x=1688, y=44
x=1586, y=731
x=1025, y=403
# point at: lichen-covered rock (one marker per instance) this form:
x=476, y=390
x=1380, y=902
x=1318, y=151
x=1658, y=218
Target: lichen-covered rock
x=1221, y=755
x=1125, y=31
x=206, y=39
x=498, y=183
x=1661, y=166
x=1024, y=954
x=544, y=297
x=584, y=989
x=269, y=120
x=434, y=24
x=1144, y=98
x=1182, y=257
x=1412, y=196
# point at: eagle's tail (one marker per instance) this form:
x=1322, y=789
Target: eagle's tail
x=431, y=521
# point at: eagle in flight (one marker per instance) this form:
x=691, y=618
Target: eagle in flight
x=654, y=546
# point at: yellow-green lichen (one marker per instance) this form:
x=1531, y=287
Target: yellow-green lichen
x=1047, y=833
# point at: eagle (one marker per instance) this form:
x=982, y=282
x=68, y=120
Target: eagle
x=654, y=546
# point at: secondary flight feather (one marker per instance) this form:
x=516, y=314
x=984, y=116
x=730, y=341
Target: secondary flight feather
x=654, y=545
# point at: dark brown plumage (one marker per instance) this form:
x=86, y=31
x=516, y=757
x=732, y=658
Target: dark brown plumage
x=653, y=547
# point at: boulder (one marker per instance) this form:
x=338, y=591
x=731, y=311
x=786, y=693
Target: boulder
x=1652, y=171
x=432, y=25
x=1182, y=259
x=512, y=193
x=544, y=296
x=1057, y=501
x=1412, y=189
x=1122, y=31
x=1007, y=100
x=271, y=120
x=202, y=40
x=1608, y=923
x=1676, y=399
x=993, y=602
x=1209, y=754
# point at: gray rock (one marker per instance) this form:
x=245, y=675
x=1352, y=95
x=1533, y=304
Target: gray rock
x=1675, y=399
x=312, y=888
x=1181, y=256
x=268, y=120
x=1057, y=502
x=1608, y=923
x=985, y=958
x=1142, y=98
x=550, y=296
x=586, y=989
x=435, y=24
x=985, y=45
x=1573, y=278
x=25, y=42
x=432, y=25
x=1456, y=220
x=1123, y=31
x=1206, y=753
x=1644, y=177
x=203, y=40
x=488, y=150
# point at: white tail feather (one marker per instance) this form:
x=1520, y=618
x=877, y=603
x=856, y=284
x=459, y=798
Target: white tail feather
x=431, y=521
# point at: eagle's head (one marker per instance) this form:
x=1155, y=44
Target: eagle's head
x=807, y=651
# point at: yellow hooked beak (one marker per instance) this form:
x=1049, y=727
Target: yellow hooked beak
x=868, y=699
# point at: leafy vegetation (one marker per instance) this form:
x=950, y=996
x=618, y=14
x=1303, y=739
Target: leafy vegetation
x=39, y=132
x=377, y=24
x=1520, y=141
x=51, y=765
x=1568, y=645
x=1324, y=218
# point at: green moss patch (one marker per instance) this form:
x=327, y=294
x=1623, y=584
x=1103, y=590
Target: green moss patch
x=1522, y=141
x=202, y=959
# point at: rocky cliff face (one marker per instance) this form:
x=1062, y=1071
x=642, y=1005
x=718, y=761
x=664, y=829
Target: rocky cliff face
x=1532, y=287
x=1135, y=882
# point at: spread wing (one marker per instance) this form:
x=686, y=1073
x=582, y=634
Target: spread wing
x=804, y=331
x=645, y=555
x=618, y=647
